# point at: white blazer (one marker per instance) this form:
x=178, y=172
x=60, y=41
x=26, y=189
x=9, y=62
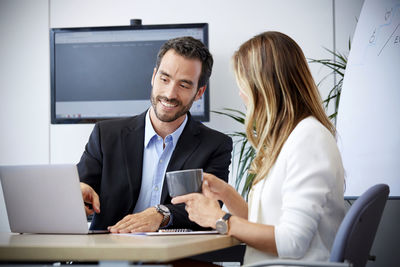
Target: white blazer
x=302, y=196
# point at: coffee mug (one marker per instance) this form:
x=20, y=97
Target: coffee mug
x=184, y=182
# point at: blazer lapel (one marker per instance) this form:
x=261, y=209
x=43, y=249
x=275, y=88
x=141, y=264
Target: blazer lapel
x=187, y=144
x=132, y=142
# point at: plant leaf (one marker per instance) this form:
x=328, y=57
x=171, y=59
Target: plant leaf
x=242, y=149
x=338, y=66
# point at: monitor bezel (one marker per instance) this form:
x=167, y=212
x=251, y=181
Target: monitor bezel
x=54, y=31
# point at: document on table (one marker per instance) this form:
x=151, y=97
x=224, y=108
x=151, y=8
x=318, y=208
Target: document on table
x=166, y=232
x=172, y=232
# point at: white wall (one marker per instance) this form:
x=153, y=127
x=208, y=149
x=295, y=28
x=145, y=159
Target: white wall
x=24, y=86
x=24, y=82
x=26, y=135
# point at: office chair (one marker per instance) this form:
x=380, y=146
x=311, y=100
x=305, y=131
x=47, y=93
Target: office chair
x=355, y=236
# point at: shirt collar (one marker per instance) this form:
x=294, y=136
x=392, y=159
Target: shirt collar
x=150, y=133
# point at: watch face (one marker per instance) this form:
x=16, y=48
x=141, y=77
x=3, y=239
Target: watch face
x=163, y=209
x=221, y=226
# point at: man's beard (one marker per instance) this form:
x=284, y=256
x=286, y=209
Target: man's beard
x=170, y=117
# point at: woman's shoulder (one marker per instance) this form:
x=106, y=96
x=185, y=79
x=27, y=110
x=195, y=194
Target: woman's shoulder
x=310, y=132
x=310, y=126
x=310, y=123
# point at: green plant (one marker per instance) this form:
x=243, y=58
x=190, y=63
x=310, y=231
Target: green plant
x=338, y=66
x=244, y=150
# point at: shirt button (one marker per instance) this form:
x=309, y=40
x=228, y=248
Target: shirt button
x=161, y=160
x=156, y=188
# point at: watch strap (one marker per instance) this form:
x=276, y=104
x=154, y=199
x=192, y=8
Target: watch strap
x=226, y=216
x=166, y=217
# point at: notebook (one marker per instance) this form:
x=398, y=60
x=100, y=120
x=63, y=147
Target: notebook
x=181, y=232
x=44, y=199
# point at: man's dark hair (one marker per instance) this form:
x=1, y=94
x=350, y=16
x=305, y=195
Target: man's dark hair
x=190, y=48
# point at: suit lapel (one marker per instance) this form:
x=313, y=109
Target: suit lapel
x=132, y=142
x=187, y=144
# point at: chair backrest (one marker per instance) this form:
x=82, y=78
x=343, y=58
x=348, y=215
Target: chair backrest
x=357, y=231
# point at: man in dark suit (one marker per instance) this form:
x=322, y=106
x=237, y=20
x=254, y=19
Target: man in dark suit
x=123, y=166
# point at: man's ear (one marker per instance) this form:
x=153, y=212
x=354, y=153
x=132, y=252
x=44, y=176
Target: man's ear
x=200, y=92
x=154, y=75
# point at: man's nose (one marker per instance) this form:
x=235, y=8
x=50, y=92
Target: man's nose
x=172, y=91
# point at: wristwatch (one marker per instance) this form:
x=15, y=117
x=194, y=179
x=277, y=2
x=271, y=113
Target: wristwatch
x=164, y=211
x=222, y=224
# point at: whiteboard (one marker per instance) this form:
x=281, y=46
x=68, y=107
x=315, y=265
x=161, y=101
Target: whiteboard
x=368, y=122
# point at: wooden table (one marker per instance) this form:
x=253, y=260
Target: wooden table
x=108, y=247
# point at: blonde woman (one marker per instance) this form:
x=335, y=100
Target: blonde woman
x=296, y=200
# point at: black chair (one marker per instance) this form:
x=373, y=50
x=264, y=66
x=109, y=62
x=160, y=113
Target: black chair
x=356, y=233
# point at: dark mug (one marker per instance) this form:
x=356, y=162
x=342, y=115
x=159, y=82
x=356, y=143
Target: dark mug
x=184, y=182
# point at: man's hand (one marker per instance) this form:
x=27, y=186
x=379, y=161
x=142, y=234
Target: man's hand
x=148, y=220
x=90, y=196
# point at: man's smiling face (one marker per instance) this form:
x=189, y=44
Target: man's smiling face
x=175, y=85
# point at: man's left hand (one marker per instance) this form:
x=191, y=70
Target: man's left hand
x=148, y=220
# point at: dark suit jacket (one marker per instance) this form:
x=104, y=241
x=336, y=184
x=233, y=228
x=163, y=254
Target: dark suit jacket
x=113, y=158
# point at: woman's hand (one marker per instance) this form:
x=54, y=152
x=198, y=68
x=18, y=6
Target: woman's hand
x=202, y=210
x=215, y=188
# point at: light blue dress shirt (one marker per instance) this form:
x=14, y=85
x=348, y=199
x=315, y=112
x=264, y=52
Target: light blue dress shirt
x=155, y=162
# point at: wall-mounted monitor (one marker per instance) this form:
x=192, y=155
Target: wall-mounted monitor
x=102, y=73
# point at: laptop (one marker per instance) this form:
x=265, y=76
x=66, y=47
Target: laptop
x=44, y=199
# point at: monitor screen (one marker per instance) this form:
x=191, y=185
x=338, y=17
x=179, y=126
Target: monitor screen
x=105, y=72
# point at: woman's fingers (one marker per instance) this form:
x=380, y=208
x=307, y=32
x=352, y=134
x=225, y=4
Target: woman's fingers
x=183, y=199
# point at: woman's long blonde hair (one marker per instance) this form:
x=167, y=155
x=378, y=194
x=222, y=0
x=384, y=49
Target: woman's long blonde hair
x=273, y=73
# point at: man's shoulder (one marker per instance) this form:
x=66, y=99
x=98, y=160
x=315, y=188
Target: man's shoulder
x=208, y=132
x=119, y=124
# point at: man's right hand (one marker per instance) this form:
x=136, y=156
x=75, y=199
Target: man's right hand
x=90, y=196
